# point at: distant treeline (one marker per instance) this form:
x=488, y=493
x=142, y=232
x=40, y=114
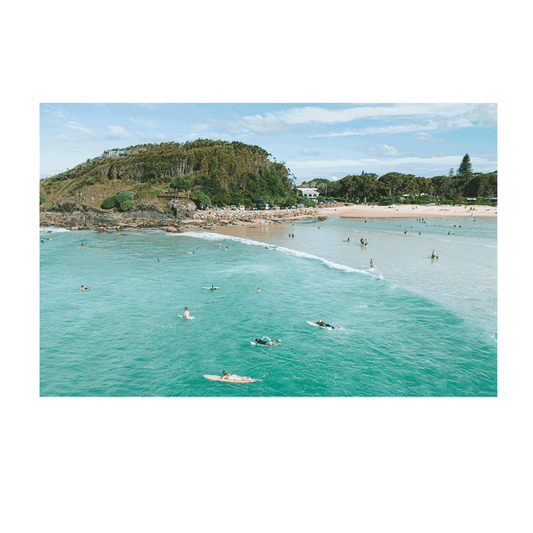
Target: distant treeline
x=394, y=185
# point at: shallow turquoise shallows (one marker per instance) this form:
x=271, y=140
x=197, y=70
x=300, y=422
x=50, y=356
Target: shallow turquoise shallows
x=413, y=326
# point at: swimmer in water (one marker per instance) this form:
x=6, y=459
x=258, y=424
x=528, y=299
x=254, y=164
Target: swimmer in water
x=433, y=255
x=219, y=245
x=372, y=265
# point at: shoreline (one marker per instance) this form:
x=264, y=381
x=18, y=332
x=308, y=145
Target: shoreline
x=220, y=219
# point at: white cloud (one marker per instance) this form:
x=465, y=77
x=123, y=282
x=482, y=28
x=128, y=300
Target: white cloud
x=308, y=151
x=435, y=161
x=269, y=123
x=74, y=137
x=305, y=115
x=77, y=126
x=116, y=132
x=153, y=107
x=383, y=149
x=144, y=122
x=152, y=136
x=400, y=128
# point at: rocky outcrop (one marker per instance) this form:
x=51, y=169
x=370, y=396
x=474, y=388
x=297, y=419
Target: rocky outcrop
x=145, y=215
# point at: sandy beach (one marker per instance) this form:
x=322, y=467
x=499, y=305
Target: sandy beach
x=229, y=222
x=407, y=211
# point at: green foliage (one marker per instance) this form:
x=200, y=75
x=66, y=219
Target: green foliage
x=200, y=199
x=465, y=168
x=108, y=203
x=180, y=184
x=122, y=201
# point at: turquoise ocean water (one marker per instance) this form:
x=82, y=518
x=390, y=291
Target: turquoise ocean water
x=411, y=327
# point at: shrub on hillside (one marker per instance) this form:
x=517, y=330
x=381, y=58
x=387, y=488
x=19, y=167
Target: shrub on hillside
x=108, y=203
x=123, y=200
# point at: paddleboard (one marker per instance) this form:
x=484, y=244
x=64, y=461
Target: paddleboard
x=239, y=380
x=187, y=317
x=323, y=327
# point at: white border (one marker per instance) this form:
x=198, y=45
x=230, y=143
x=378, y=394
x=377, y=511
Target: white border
x=31, y=405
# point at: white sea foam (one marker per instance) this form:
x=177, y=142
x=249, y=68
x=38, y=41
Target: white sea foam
x=53, y=230
x=286, y=251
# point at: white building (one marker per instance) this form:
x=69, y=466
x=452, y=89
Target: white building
x=308, y=192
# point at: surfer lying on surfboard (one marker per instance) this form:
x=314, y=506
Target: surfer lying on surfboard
x=322, y=324
x=233, y=377
x=82, y=288
x=212, y=288
x=267, y=342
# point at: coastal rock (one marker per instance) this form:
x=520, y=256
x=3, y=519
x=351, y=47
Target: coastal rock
x=182, y=209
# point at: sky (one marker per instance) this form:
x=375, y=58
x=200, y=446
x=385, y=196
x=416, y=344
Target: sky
x=315, y=140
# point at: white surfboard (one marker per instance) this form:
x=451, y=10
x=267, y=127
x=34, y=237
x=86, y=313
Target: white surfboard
x=211, y=288
x=323, y=327
x=235, y=379
x=187, y=317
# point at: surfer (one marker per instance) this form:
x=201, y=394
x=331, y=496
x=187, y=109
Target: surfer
x=83, y=243
x=82, y=288
x=372, y=265
x=323, y=324
x=213, y=288
x=231, y=377
x=186, y=313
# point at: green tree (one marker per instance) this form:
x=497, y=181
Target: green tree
x=180, y=184
x=465, y=168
